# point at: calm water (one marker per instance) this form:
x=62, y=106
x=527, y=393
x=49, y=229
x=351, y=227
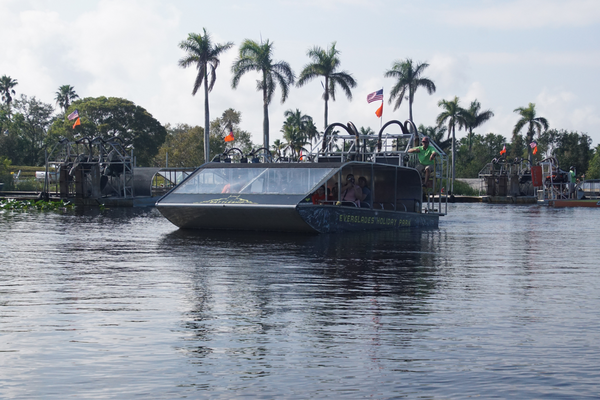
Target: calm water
x=500, y=301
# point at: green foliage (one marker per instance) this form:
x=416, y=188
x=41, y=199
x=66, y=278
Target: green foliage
x=183, y=146
x=184, y=143
x=569, y=148
x=6, y=176
x=483, y=150
x=113, y=117
x=29, y=185
x=33, y=205
x=298, y=130
x=31, y=122
x=593, y=172
x=464, y=189
x=220, y=127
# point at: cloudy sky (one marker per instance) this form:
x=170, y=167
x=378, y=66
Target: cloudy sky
x=505, y=54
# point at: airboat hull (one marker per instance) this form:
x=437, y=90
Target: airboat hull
x=307, y=218
x=574, y=203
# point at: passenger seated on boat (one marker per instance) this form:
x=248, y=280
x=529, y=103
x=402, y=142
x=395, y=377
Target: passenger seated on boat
x=234, y=186
x=427, y=156
x=351, y=192
x=365, y=201
x=334, y=193
x=319, y=196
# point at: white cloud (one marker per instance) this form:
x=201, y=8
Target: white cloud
x=524, y=14
x=449, y=72
x=475, y=92
x=564, y=110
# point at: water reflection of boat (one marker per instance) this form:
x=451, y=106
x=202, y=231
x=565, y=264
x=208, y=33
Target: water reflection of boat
x=276, y=196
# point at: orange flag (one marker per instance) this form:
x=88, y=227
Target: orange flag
x=379, y=111
x=77, y=122
x=229, y=138
x=503, y=151
x=535, y=150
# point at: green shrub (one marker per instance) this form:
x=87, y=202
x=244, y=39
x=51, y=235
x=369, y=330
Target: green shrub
x=29, y=185
x=460, y=188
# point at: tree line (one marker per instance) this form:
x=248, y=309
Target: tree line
x=29, y=126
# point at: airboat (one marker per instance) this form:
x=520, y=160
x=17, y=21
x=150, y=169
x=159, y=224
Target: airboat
x=261, y=192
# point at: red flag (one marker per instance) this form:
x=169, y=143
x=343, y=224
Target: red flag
x=503, y=151
x=379, y=111
x=77, y=122
x=229, y=138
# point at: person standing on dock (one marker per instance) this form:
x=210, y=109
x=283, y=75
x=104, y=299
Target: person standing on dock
x=426, y=158
x=572, y=181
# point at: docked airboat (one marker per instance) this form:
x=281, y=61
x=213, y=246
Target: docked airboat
x=263, y=193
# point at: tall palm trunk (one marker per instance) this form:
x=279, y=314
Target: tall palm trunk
x=206, y=119
x=453, y=160
x=265, y=124
x=410, y=101
x=326, y=100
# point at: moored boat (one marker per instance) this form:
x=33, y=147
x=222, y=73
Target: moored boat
x=301, y=196
x=557, y=190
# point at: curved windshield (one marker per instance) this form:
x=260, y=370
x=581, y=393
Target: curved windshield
x=266, y=180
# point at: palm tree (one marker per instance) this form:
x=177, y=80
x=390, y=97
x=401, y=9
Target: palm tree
x=6, y=88
x=259, y=57
x=204, y=55
x=453, y=115
x=474, y=118
x=295, y=139
x=408, y=79
x=277, y=147
x=65, y=96
x=325, y=63
x=370, y=144
x=535, y=124
x=298, y=130
x=304, y=123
